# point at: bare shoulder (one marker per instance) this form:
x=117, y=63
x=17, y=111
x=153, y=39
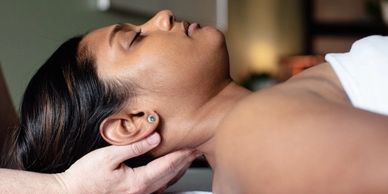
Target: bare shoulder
x=237, y=142
x=275, y=141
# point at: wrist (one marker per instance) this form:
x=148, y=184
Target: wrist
x=65, y=184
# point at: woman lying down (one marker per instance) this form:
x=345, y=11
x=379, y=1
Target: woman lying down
x=322, y=131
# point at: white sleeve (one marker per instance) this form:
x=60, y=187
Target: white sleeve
x=363, y=73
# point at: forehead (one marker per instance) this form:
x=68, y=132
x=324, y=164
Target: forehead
x=93, y=40
x=95, y=45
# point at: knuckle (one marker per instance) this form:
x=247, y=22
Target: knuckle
x=136, y=149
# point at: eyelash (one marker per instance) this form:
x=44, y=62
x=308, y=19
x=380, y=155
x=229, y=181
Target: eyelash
x=137, y=38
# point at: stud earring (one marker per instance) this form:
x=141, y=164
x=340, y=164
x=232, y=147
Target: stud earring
x=151, y=118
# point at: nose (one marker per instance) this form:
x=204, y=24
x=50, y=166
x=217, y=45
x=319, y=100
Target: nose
x=163, y=20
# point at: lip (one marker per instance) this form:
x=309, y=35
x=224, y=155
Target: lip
x=189, y=28
x=186, y=27
x=192, y=28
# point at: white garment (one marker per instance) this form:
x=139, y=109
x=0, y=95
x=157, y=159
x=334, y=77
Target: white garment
x=363, y=73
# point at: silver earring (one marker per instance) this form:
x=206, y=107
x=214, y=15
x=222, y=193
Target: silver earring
x=151, y=118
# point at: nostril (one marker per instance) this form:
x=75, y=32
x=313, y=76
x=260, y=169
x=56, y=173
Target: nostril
x=165, y=20
x=172, y=19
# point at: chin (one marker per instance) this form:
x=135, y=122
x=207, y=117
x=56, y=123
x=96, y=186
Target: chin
x=219, y=35
x=214, y=34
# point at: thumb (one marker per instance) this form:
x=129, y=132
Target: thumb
x=119, y=154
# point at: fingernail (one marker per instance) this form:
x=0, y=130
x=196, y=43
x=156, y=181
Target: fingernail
x=153, y=139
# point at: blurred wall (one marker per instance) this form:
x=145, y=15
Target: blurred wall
x=261, y=32
x=32, y=29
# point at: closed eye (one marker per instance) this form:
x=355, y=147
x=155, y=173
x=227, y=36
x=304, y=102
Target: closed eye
x=137, y=38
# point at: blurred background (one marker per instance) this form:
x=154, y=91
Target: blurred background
x=268, y=40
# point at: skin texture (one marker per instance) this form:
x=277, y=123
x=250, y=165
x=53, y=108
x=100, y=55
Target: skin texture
x=171, y=71
x=302, y=136
x=101, y=171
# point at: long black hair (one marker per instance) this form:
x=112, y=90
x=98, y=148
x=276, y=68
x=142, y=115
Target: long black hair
x=62, y=109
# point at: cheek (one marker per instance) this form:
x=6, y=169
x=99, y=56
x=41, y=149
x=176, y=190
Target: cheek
x=178, y=65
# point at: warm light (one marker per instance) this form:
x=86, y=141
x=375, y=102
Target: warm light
x=263, y=57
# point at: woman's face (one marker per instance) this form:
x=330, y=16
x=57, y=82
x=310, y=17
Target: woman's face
x=177, y=66
x=160, y=55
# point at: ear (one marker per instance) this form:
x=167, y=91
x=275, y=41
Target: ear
x=123, y=128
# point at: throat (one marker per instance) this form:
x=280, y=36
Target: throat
x=198, y=129
x=210, y=116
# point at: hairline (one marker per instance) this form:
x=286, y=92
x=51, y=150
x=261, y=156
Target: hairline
x=85, y=53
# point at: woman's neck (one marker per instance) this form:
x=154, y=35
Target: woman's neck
x=208, y=118
x=197, y=129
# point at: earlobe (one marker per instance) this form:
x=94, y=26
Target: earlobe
x=128, y=128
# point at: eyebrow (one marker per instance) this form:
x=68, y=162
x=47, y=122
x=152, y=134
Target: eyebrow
x=116, y=28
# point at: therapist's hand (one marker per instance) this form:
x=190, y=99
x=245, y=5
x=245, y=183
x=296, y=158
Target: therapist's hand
x=102, y=171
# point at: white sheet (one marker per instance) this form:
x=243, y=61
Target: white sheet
x=363, y=72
